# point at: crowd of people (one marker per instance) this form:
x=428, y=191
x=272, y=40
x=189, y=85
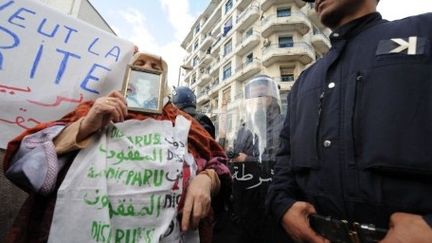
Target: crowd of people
x=350, y=161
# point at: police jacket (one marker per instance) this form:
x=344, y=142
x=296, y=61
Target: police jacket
x=206, y=122
x=357, y=138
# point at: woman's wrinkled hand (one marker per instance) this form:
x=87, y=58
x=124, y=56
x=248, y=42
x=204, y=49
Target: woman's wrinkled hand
x=104, y=110
x=197, y=203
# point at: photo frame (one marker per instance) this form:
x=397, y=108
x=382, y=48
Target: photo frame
x=143, y=89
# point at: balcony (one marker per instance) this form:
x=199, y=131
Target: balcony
x=247, y=44
x=203, y=95
x=205, y=60
x=207, y=42
x=216, y=45
x=212, y=21
x=266, y=4
x=242, y=4
x=320, y=42
x=214, y=68
x=214, y=87
x=248, y=69
x=247, y=18
x=205, y=78
x=284, y=85
x=297, y=21
x=188, y=74
x=299, y=51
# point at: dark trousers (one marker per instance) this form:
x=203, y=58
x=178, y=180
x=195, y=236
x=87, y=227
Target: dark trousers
x=231, y=229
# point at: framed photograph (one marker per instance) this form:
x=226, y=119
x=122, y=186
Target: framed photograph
x=143, y=89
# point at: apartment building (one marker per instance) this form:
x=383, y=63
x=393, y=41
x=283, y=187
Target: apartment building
x=233, y=40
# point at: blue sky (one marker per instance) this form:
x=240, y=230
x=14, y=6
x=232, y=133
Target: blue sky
x=159, y=26
x=155, y=26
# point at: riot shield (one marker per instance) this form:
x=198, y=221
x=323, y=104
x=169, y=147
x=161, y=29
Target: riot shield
x=251, y=128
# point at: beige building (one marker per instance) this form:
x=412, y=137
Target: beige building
x=233, y=40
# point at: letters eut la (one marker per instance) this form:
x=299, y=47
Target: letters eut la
x=11, y=40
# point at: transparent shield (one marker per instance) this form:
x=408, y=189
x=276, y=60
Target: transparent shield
x=251, y=131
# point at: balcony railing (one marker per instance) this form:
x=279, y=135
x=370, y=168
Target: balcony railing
x=205, y=60
x=320, y=41
x=284, y=84
x=243, y=3
x=247, y=17
x=247, y=43
x=296, y=21
x=208, y=40
x=248, y=69
x=266, y=4
x=296, y=51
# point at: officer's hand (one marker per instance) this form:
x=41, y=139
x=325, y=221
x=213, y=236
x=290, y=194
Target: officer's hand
x=240, y=158
x=197, y=202
x=295, y=221
x=105, y=109
x=407, y=228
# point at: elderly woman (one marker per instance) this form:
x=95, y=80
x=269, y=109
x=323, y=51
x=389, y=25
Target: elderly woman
x=93, y=167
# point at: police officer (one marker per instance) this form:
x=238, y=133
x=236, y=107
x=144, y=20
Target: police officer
x=254, y=146
x=185, y=99
x=357, y=137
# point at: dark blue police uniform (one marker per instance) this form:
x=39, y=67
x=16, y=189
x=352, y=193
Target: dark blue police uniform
x=357, y=138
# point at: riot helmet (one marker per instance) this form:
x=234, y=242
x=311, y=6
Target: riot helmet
x=260, y=119
x=261, y=86
x=185, y=99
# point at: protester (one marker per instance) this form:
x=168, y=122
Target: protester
x=185, y=99
x=53, y=155
x=253, y=157
x=356, y=143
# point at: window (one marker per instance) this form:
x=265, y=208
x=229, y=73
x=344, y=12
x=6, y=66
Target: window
x=193, y=79
x=287, y=77
x=249, y=33
x=228, y=5
x=226, y=96
x=197, y=28
x=194, y=61
x=227, y=47
x=227, y=27
x=286, y=42
x=226, y=71
x=287, y=74
x=196, y=45
x=283, y=12
x=249, y=58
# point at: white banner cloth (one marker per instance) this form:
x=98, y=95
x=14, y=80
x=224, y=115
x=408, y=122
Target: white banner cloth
x=126, y=186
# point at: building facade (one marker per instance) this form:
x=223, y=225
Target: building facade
x=233, y=40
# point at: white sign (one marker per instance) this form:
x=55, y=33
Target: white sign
x=50, y=62
x=126, y=185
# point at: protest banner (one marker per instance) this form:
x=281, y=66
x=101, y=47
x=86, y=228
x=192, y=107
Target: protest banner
x=125, y=186
x=50, y=62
